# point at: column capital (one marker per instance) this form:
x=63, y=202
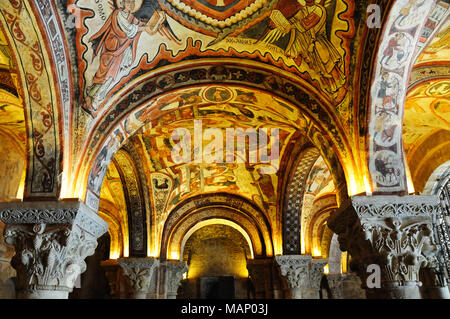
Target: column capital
x=394, y=232
x=260, y=273
x=139, y=272
x=51, y=240
x=301, y=271
x=175, y=271
x=55, y=213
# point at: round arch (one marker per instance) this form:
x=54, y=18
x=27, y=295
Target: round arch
x=216, y=206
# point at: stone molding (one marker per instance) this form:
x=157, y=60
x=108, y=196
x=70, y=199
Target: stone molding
x=392, y=231
x=395, y=206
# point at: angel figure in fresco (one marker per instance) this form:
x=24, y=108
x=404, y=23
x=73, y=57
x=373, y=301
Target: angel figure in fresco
x=308, y=41
x=116, y=43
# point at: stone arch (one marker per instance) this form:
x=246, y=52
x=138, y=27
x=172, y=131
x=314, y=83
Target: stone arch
x=391, y=69
x=425, y=157
x=322, y=208
x=294, y=200
x=222, y=206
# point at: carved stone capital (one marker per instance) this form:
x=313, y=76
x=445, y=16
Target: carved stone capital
x=50, y=244
x=139, y=272
x=175, y=270
x=302, y=274
x=336, y=285
x=393, y=232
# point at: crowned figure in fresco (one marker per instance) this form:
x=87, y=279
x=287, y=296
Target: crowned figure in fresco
x=116, y=47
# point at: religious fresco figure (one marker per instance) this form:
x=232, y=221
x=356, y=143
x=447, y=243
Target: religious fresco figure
x=394, y=47
x=116, y=43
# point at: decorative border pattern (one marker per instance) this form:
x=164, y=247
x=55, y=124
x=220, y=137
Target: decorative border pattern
x=53, y=213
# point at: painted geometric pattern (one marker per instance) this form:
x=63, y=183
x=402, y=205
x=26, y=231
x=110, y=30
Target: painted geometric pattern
x=296, y=189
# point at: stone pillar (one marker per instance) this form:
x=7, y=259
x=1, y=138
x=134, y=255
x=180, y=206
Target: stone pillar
x=302, y=275
x=51, y=241
x=139, y=272
x=435, y=285
x=260, y=273
x=174, y=274
x=392, y=232
x=111, y=268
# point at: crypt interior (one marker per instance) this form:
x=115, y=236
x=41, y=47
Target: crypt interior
x=237, y=149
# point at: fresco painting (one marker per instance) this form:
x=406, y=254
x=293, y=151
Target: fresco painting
x=427, y=109
x=118, y=39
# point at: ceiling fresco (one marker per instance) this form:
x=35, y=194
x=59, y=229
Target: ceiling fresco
x=217, y=107
x=122, y=39
x=13, y=134
x=427, y=104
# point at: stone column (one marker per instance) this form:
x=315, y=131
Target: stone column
x=260, y=274
x=174, y=274
x=51, y=241
x=139, y=272
x=392, y=232
x=302, y=275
